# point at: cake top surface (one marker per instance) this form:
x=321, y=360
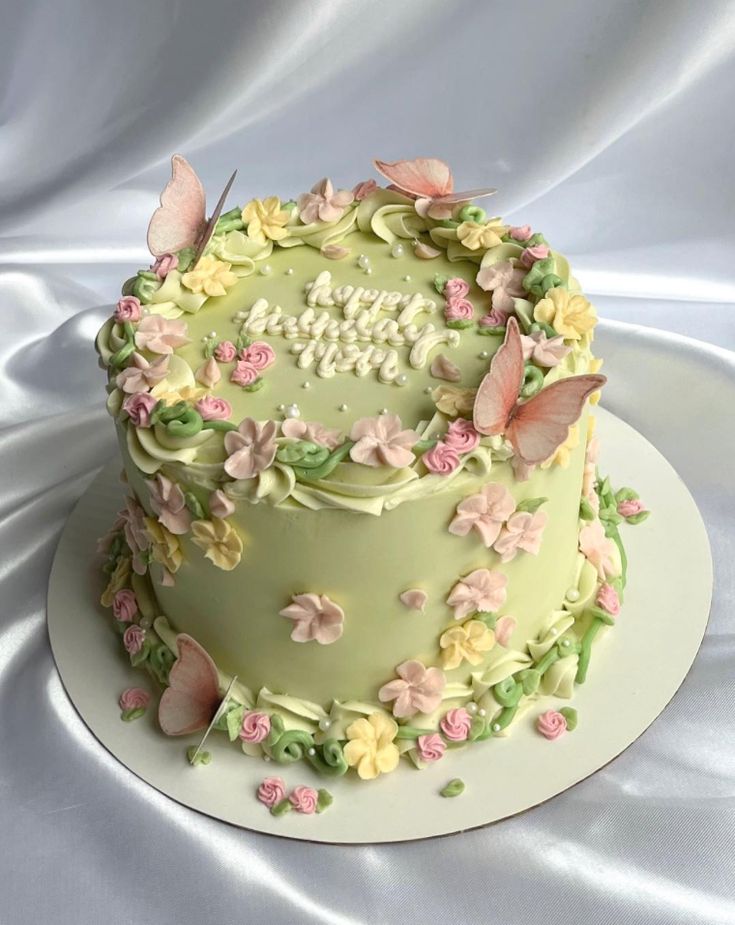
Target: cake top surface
x=344, y=330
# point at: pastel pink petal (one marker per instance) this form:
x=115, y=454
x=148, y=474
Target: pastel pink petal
x=414, y=599
x=391, y=690
x=462, y=524
x=504, y=628
x=329, y=212
x=395, y=456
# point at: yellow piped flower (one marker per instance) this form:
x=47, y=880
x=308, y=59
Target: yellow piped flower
x=469, y=642
x=563, y=454
x=220, y=543
x=595, y=367
x=453, y=400
x=211, y=276
x=371, y=749
x=569, y=313
x=188, y=393
x=165, y=547
x=118, y=580
x=266, y=220
x=475, y=235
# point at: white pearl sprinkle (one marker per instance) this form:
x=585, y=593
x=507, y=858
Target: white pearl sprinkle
x=383, y=411
x=324, y=724
x=572, y=595
x=428, y=390
x=289, y=272
x=306, y=385
x=266, y=757
x=484, y=355
x=554, y=631
x=482, y=712
x=363, y=262
x=311, y=751
x=402, y=379
x=281, y=407
x=368, y=271
x=472, y=708
x=342, y=407
x=205, y=339
x=407, y=278
x=213, y=334
x=292, y=411
x=565, y=642
x=396, y=250
x=496, y=727
x=266, y=270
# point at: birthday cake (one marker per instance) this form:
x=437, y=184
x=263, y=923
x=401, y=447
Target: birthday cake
x=364, y=517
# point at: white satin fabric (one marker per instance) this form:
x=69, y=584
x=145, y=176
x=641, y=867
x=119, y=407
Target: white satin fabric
x=608, y=126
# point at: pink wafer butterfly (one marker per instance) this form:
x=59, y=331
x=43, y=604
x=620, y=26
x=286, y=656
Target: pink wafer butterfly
x=181, y=219
x=535, y=428
x=191, y=700
x=431, y=183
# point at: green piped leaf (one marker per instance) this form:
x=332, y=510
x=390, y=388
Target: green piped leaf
x=477, y=728
x=137, y=658
x=233, y=720
x=570, y=715
x=531, y=505
x=637, y=518
x=490, y=331
x=254, y=386
x=280, y=809
x=460, y=324
x=440, y=282
x=585, y=510
x=242, y=341
x=454, y=788
x=324, y=800
x=129, y=716
x=192, y=503
x=200, y=759
x=530, y=680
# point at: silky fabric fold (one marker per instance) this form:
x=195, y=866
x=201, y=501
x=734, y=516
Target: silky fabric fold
x=606, y=127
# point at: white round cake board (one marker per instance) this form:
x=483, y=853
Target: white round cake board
x=631, y=679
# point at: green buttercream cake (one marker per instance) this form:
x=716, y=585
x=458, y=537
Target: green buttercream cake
x=363, y=491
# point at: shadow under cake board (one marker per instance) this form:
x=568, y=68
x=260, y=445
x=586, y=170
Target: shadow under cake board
x=632, y=678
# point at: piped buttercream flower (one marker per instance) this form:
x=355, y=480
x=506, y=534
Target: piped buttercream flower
x=128, y=308
x=469, y=642
x=504, y=628
x=430, y=747
x=323, y=203
x=599, y=549
x=456, y=724
x=211, y=276
x=139, y=407
x=484, y=512
x=259, y=355
x=382, y=441
x=608, y=599
x=255, y=727
x=455, y=288
x=125, y=606
x=225, y=351
x=462, y=436
x=504, y=281
x=520, y=232
x=522, y=531
x=371, y=749
x=453, y=400
x=304, y=799
x=630, y=507
x=458, y=309
x=531, y=254
x=481, y=591
x=164, y=545
x=569, y=313
x=311, y=431
x=213, y=409
x=551, y=724
x=244, y=373
x=160, y=335
x=315, y=617
x=476, y=235
x=140, y=375
x=133, y=639
x=118, y=580
x=250, y=449
x=167, y=502
x=416, y=690
x=218, y=540
x=271, y=791
x=136, y=534
x=134, y=698
x=364, y=189
x=266, y=220
x=208, y=374
x=546, y=351
x=220, y=505
x=441, y=459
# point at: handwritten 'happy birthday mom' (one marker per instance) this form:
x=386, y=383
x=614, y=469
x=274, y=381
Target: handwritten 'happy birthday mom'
x=364, y=338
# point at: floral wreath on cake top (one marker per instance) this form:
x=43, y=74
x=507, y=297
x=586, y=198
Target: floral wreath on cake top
x=198, y=463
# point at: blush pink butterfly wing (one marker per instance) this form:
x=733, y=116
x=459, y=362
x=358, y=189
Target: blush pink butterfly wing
x=426, y=177
x=498, y=392
x=192, y=698
x=181, y=218
x=539, y=426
